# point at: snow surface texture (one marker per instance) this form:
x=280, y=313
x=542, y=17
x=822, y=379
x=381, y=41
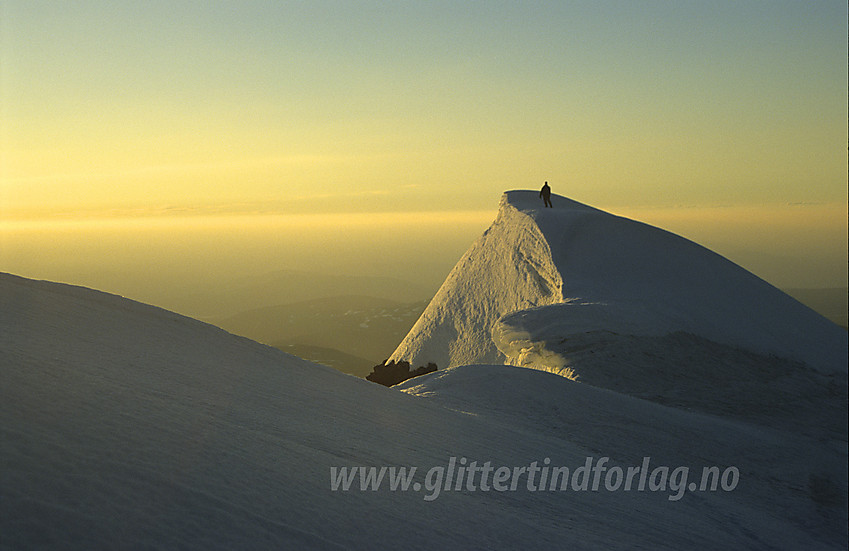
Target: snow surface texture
x=540, y=277
x=127, y=426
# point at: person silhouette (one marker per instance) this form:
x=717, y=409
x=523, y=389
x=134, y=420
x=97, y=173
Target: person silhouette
x=545, y=193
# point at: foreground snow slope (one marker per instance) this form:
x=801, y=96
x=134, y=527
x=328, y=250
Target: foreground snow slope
x=539, y=276
x=127, y=426
x=790, y=474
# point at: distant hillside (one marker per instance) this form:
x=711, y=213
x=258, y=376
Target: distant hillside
x=290, y=286
x=352, y=329
x=832, y=303
x=337, y=359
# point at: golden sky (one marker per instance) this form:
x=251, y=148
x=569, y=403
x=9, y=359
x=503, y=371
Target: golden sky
x=125, y=109
x=420, y=105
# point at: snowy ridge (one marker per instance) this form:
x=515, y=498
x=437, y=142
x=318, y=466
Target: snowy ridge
x=540, y=276
x=509, y=268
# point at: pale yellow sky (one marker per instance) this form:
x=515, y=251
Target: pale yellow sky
x=684, y=112
x=434, y=106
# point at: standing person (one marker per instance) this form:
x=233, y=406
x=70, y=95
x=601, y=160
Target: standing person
x=545, y=193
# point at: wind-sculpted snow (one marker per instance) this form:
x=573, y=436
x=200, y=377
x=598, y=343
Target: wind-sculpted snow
x=539, y=274
x=508, y=268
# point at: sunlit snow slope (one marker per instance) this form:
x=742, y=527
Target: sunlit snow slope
x=539, y=278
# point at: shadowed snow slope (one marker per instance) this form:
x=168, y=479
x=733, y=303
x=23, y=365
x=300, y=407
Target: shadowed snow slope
x=127, y=426
x=541, y=276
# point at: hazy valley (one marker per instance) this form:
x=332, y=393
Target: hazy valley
x=349, y=333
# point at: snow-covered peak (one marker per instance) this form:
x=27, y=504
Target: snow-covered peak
x=526, y=200
x=543, y=274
